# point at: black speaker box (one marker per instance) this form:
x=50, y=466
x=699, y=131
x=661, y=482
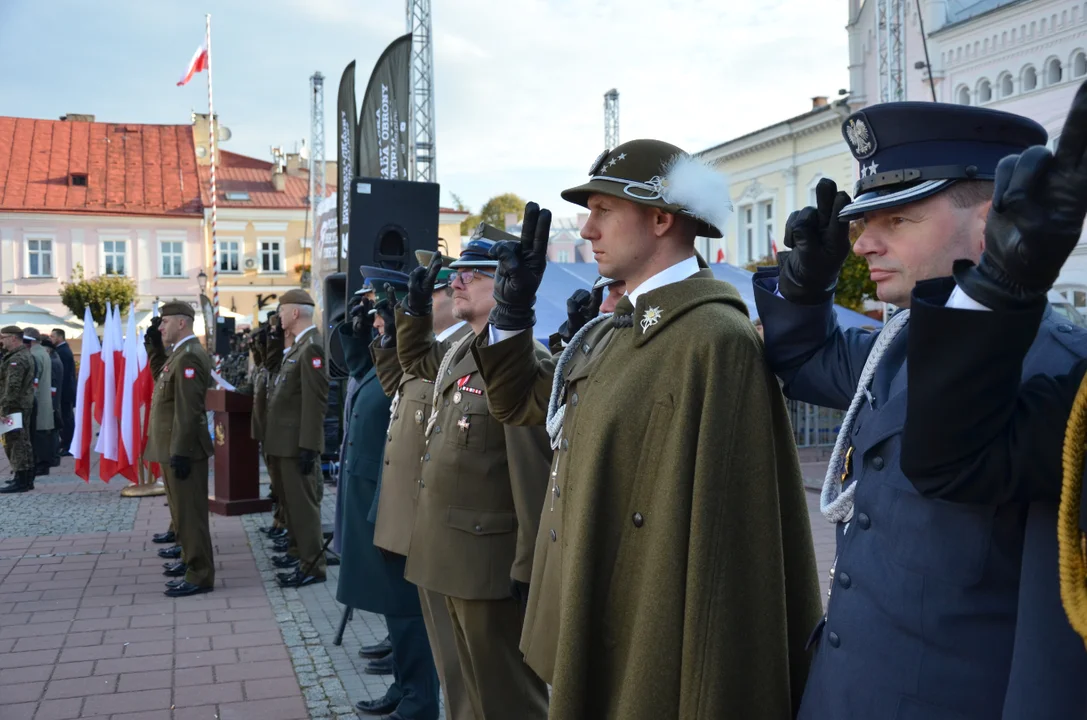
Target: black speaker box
x=223, y=335
x=334, y=313
x=390, y=220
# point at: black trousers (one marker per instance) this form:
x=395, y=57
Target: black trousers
x=67, y=427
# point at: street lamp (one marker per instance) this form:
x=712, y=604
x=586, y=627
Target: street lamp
x=202, y=281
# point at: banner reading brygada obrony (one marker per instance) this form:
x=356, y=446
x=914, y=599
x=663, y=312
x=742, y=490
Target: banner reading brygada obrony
x=347, y=153
x=385, y=116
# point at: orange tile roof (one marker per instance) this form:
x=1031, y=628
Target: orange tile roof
x=131, y=169
x=241, y=173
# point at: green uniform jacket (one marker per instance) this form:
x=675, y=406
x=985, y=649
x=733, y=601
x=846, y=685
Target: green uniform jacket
x=260, y=403
x=43, y=392
x=483, y=483
x=674, y=574
x=405, y=444
x=179, y=424
x=17, y=384
x=298, y=400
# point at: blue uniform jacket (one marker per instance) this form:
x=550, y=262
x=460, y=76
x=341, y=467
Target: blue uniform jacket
x=921, y=622
x=368, y=580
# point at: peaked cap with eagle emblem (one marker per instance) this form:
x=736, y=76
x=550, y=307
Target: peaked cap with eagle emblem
x=658, y=174
x=908, y=151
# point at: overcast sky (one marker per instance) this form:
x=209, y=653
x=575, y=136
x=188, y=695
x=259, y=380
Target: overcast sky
x=519, y=84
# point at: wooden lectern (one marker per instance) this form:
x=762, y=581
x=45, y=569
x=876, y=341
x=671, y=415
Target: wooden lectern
x=237, y=461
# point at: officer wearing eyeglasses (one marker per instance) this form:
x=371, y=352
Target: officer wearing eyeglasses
x=481, y=490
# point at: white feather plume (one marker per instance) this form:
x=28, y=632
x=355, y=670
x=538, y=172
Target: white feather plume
x=698, y=187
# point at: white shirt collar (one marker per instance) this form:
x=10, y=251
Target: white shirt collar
x=298, y=338
x=444, y=334
x=680, y=271
x=182, y=341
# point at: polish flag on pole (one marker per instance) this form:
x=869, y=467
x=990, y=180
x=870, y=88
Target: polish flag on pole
x=131, y=448
x=199, y=63
x=81, y=438
x=106, y=446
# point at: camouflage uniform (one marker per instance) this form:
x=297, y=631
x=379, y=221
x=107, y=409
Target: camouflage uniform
x=17, y=386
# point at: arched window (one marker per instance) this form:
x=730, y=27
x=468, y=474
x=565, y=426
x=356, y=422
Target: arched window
x=1029, y=79
x=1079, y=64
x=1053, y=72
x=963, y=97
x=985, y=91
x=1007, y=85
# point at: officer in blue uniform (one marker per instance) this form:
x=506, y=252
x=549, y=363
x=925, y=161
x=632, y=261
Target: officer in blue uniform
x=372, y=579
x=921, y=618
x=975, y=433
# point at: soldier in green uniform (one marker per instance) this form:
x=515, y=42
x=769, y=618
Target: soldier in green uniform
x=294, y=435
x=405, y=444
x=178, y=440
x=267, y=347
x=156, y=358
x=17, y=396
x=480, y=493
x=676, y=533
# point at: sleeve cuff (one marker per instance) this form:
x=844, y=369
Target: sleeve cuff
x=961, y=301
x=496, y=336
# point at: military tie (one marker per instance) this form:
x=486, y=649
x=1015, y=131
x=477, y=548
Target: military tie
x=624, y=314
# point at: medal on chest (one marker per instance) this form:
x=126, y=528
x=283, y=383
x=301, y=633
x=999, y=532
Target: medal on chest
x=463, y=387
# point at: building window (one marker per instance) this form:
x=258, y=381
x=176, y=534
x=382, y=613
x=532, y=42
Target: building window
x=1007, y=85
x=113, y=256
x=766, y=219
x=985, y=91
x=229, y=255
x=747, y=233
x=1053, y=72
x=39, y=257
x=963, y=97
x=1030, y=79
x=271, y=256
x=171, y=253
x=563, y=256
x=1079, y=65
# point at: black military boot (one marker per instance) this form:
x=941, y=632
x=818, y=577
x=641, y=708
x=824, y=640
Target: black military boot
x=20, y=485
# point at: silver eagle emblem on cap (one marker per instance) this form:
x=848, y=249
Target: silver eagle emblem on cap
x=862, y=140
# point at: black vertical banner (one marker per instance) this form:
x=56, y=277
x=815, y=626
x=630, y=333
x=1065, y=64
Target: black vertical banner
x=347, y=154
x=385, y=118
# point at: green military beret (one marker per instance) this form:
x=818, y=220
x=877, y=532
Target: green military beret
x=661, y=175
x=177, y=307
x=11, y=330
x=296, y=296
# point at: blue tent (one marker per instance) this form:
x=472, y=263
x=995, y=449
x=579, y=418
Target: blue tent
x=562, y=279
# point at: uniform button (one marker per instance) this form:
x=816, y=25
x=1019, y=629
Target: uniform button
x=638, y=519
x=1064, y=327
x=389, y=436
x=437, y=428
x=426, y=458
x=565, y=444
x=586, y=348
x=834, y=640
x=877, y=462
x=446, y=403
x=557, y=491
x=422, y=396
x=573, y=400
x=843, y=579
x=554, y=535
x=354, y=415
x=864, y=521
x=350, y=442
x=479, y=528
x=386, y=461
x=396, y=417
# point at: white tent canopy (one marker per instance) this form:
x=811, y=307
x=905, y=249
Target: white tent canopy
x=27, y=315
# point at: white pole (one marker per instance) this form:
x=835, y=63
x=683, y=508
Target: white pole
x=214, y=198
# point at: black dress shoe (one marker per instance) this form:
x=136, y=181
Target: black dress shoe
x=177, y=570
x=170, y=553
x=284, y=561
x=185, y=589
x=280, y=546
x=164, y=538
x=298, y=580
x=278, y=533
x=377, y=651
x=377, y=707
x=384, y=666
x=174, y=583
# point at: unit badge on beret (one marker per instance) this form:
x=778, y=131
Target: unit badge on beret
x=858, y=133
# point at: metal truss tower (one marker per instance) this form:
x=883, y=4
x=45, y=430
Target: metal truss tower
x=424, y=165
x=316, y=146
x=890, y=22
x=611, y=119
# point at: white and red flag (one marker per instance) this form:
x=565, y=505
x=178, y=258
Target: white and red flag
x=84, y=428
x=199, y=63
x=106, y=446
x=131, y=446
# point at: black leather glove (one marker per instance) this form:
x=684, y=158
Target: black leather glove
x=153, y=337
x=519, y=592
x=1039, y=203
x=386, y=308
x=181, y=466
x=819, y=243
x=581, y=307
x=421, y=287
x=362, y=322
x=306, y=460
x=520, y=271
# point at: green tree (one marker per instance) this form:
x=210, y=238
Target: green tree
x=80, y=293
x=494, y=212
x=854, y=285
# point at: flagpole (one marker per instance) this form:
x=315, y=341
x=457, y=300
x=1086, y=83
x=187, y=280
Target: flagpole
x=210, y=332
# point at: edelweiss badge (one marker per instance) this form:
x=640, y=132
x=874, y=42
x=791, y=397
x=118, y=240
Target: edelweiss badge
x=650, y=318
